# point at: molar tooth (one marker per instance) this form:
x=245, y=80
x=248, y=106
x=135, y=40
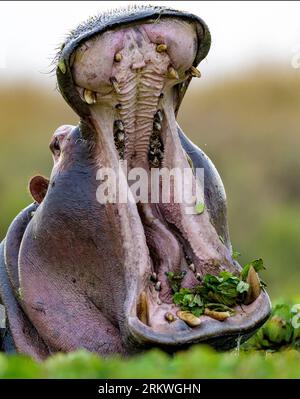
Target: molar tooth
x=189, y=318
x=172, y=73
x=159, y=115
x=121, y=136
x=157, y=126
x=142, y=308
x=160, y=48
x=158, y=286
x=195, y=72
x=119, y=125
x=115, y=85
x=216, y=315
x=192, y=267
x=118, y=57
x=89, y=96
x=169, y=317
x=254, y=286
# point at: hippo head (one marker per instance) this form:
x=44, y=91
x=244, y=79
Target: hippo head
x=93, y=274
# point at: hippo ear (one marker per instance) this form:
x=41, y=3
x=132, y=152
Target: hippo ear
x=38, y=187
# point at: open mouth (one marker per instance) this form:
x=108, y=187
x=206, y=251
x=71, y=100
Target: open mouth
x=126, y=84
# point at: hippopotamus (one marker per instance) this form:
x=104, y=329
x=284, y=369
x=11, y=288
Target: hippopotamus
x=76, y=272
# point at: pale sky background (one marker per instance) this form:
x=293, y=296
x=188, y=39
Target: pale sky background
x=243, y=33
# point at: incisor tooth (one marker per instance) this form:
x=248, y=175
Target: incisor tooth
x=216, y=315
x=169, y=317
x=142, y=308
x=189, y=318
x=254, y=286
x=158, y=286
x=89, y=96
x=195, y=72
x=172, y=73
x=160, y=48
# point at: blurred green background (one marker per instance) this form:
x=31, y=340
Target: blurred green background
x=247, y=124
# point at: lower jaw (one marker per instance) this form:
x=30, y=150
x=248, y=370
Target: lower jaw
x=162, y=238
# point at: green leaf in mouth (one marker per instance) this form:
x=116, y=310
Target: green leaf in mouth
x=199, y=208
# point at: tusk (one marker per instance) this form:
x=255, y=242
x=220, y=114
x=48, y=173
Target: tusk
x=195, y=72
x=216, y=315
x=142, y=308
x=254, y=286
x=89, y=96
x=189, y=318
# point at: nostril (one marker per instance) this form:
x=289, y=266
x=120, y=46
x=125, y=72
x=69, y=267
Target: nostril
x=55, y=147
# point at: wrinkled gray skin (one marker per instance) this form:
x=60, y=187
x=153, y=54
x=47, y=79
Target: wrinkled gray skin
x=77, y=273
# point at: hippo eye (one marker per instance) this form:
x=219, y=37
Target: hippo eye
x=55, y=147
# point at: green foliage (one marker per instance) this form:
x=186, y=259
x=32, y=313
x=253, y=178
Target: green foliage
x=281, y=330
x=218, y=293
x=197, y=362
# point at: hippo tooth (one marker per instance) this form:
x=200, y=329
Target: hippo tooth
x=115, y=85
x=142, y=308
x=192, y=267
x=118, y=57
x=159, y=115
x=119, y=125
x=160, y=48
x=172, y=73
x=216, y=315
x=62, y=66
x=188, y=318
x=254, y=286
x=198, y=276
x=169, y=317
x=157, y=126
x=121, y=136
x=89, y=96
x=195, y=72
x=158, y=286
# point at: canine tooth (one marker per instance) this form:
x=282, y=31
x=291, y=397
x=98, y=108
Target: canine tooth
x=172, y=73
x=216, y=315
x=89, y=96
x=62, y=66
x=118, y=57
x=195, y=72
x=169, y=317
x=254, y=286
x=198, y=276
x=158, y=286
x=115, y=85
x=192, y=267
x=32, y=214
x=153, y=277
x=189, y=318
x=157, y=126
x=142, y=308
x=160, y=48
